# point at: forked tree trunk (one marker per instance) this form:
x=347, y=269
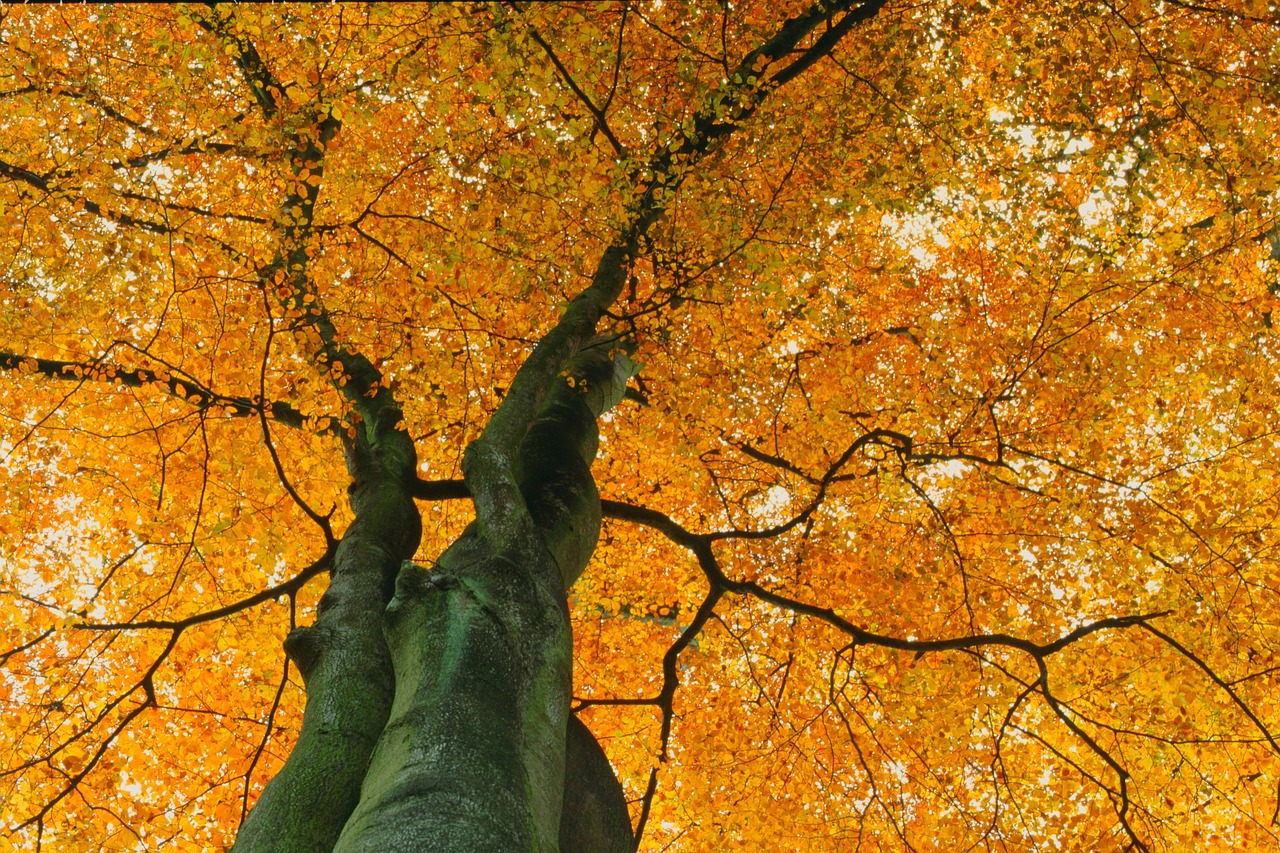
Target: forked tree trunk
x=437, y=712
x=473, y=757
x=465, y=706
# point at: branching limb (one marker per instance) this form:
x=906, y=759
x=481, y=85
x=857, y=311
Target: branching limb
x=1222, y=684
x=1120, y=797
x=266, y=737
x=285, y=588
x=488, y=466
x=183, y=388
x=321, y=520
x=287, y=275
x=146, y=684
x=266, y=90
x=343, y=656
x=720, y=584
x=42, y=183
x=29, y=644
x=602, y=124
x=664, y=701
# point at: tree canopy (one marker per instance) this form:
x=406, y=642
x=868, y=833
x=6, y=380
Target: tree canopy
x=940, y=511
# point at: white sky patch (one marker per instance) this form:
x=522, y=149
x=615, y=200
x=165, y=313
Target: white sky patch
x=159, y=175
x=772, y=504
x=1077, y=144
x=937, y=479
x=919, y=234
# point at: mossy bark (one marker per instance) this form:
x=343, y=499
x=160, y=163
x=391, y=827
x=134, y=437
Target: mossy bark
x=473, y=756
x=451, y=733
x=344, y=661
x=438, y=699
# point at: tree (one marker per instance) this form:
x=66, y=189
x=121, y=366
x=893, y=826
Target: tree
x=922, y=354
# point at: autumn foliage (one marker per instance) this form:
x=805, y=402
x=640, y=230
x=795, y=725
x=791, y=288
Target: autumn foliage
x=943, y=513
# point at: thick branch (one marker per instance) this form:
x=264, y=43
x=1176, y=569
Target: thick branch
x=285, y=588
x=602, y=123
x=755, y=78
x=343, y=656
x=42, y=183
x=182, y=388
x=266, y=90
x=489, y=466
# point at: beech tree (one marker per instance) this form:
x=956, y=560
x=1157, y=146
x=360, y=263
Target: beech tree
x=685, y=426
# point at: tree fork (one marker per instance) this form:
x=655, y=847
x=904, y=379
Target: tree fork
x=344, y=660
x=482, y=652
x=473, y=752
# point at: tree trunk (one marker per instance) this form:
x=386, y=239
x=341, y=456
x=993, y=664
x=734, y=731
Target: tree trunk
x=470, y=751
x=474, y=750
x=344, y=661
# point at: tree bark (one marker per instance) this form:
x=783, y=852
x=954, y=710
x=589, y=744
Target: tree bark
x=476, y=749
x=344, y=660
x=453, y=733
x=480, y=641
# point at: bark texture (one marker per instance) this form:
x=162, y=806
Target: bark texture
x=344, y=661
x=454, y=733
x=594, y=818
x=480, y=641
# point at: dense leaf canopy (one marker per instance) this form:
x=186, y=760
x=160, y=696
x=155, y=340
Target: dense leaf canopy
x=942, y=515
